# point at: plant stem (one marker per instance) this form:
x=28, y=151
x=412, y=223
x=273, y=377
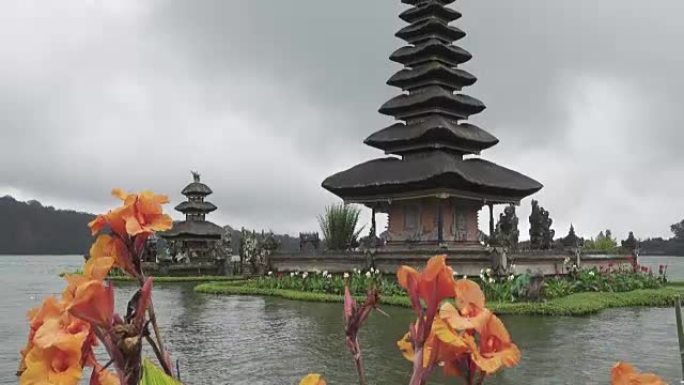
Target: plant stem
x=358, y=360
x=157, y=334
x=680, y=331
x=158, y=353
x=417, y=375
x=161, y=356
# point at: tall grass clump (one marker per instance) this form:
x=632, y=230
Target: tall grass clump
x=338, y=225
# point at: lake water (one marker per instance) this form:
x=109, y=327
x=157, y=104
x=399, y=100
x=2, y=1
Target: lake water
x=269, y=341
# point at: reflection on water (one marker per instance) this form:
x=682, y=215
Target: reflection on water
x=253, y=340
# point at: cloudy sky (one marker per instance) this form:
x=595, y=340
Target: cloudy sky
x=268, y=97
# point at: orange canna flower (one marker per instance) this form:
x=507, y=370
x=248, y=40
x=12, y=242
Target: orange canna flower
x=94, y=302
x=98, y=268
x=469, y=297
x=106, y=246
x=114, y=219
x=433, y=284
x=147, y=215
x=50, y=308
x=312, y=379
x=56, y=356
x=446, y=345
x=625, y=374
x=496, y=349
x=140, y=213
x=471, y=313
x=73, y=282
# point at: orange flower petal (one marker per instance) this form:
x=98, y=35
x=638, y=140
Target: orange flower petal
x=150, y=203
x=312, y=379
x=432, y=285
x=52, y=334
x=436, y=266
x=469, y=296
x=97, y=224
x=456, y=321
x=160, y=222
x=495, y=328
x=73, y=282
x=119, y=193
x=49, y=309
x=52, y=366
x=98, y=268
x=94, y=302
x=448, y=336
x=56, y=356
x=491, y=363
x=133, y=226
x=406, y=347
x=625, y=374
x=495, y=347
x=106, y=246
x=403, y=275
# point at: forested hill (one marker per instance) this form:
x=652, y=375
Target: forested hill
x=31, y=228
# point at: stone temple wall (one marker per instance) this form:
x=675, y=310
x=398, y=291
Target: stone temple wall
x=464, y=262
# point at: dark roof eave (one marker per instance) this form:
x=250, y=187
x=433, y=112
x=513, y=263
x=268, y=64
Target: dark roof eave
x=435, y=170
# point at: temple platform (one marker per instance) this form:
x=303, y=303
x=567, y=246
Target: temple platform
x=465, y=261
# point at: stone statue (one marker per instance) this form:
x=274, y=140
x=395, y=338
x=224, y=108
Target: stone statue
x=547, y=233
x=256, y=248
x=541, y=234
x=195, y=176
x=309, y=242
x=507, y=233
x=631, y=242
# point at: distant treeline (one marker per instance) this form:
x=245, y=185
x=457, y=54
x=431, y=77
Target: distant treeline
x=660, y=246
x=31, y=228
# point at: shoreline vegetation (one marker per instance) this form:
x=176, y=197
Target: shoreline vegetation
x=579, y=304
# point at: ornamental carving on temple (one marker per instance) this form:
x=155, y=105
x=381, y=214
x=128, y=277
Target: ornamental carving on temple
x=507, y=233
x=541, y=233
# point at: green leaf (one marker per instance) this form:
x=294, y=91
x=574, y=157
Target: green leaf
x=152, y=375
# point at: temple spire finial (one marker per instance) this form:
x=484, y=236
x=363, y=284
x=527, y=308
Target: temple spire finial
x=195, y=176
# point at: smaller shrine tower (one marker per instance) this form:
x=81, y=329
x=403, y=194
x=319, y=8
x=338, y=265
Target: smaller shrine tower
x=195, y=236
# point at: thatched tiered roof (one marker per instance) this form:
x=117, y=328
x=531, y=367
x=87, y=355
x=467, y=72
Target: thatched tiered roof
x=431, y=137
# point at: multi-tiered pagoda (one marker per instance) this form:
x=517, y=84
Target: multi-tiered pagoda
x=195, y=237
x=433, y=189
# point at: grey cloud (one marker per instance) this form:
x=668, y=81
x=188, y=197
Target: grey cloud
x=266, y=98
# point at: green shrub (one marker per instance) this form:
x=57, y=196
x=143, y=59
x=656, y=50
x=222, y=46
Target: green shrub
x=338, y=226
x=557, y=287
x=323, y=282
x=602, y=242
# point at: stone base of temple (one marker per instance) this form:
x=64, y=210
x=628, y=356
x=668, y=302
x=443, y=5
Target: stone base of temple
x=193, y=268
x=432, y=245
x=464, y=261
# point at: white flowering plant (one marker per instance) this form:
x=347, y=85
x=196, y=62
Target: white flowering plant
x=316, y=281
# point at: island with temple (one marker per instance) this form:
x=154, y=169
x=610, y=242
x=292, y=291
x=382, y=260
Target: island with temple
x=432, y=183
x=194, y=246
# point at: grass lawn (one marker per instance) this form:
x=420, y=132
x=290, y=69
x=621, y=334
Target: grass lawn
x=573, y=305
